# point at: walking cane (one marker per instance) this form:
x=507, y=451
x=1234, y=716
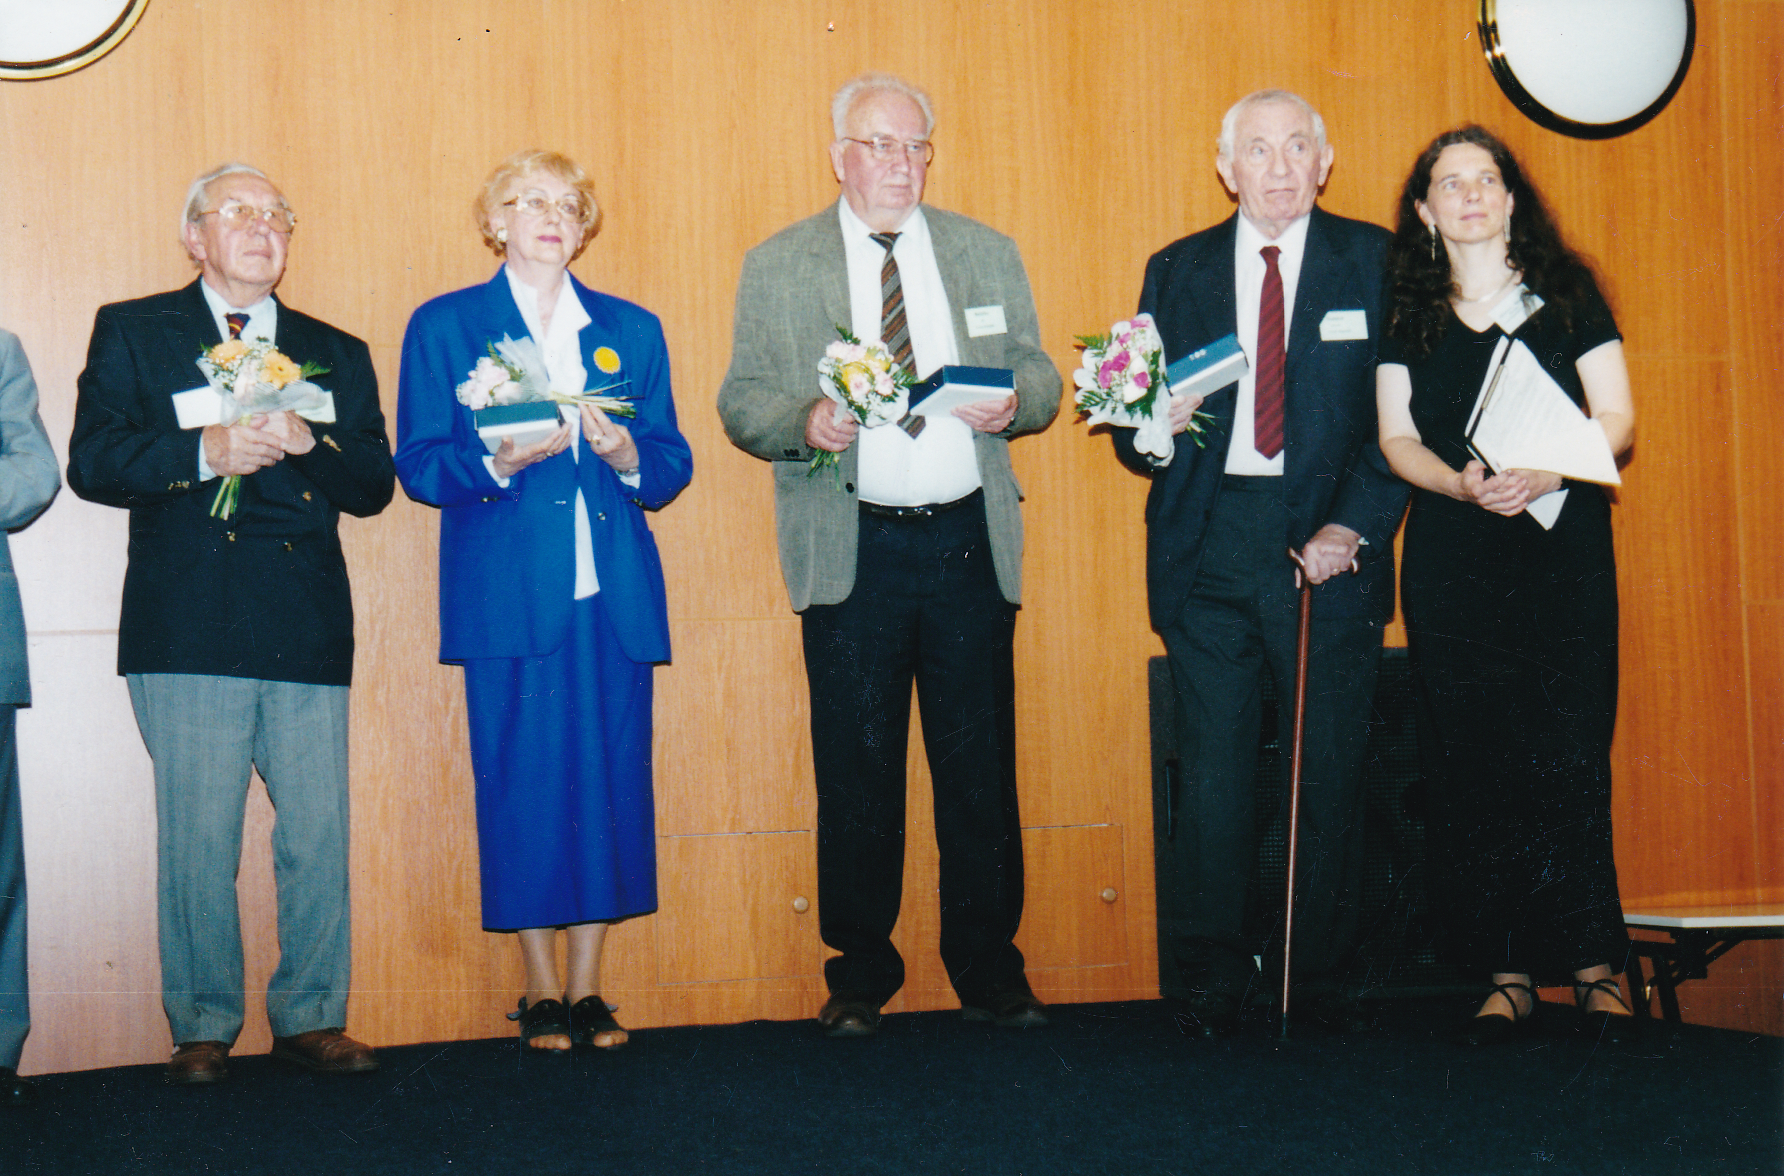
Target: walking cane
x=1294, y=766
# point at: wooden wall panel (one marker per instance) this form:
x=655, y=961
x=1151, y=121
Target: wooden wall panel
x=704, y=136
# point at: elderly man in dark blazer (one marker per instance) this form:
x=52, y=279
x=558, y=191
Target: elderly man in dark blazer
x=904, y=560
x=237, y=632
x=28, y=480
x=1289, y=462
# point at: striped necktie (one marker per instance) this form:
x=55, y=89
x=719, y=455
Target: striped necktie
x=895, y=328
x=236, y=323
x=1267, y=408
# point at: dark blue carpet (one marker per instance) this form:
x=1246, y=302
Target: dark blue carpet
x=1107, y=1088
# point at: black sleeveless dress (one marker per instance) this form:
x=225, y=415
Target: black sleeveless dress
x=1513, y=636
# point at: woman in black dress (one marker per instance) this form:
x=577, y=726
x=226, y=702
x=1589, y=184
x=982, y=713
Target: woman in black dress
x=1512, y=626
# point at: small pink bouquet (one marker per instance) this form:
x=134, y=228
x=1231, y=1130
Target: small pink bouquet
x=864, y=382
x=1122, y=382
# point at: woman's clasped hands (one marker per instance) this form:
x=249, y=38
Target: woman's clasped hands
x=1504, y=493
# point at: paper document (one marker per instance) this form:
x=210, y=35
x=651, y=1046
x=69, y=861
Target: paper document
x=1524, y=420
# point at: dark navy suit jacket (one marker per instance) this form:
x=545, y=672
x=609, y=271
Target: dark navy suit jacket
x=1333, y=468
x=507, y=556
x=263, y=594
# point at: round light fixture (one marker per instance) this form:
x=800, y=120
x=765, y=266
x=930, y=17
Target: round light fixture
x=1592, y=69
x=44, y=38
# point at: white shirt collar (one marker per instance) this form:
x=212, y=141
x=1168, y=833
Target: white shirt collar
x=263, y=316
x=856, y=231
x=1292, y=242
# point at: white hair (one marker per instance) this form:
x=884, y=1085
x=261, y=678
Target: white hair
x=1229, y=125
x=856, y=89
x=196, y=193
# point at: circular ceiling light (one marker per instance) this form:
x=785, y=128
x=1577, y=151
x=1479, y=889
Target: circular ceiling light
x=44, y=38
x=1592, y=69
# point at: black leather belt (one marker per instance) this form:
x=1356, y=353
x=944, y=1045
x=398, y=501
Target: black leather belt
x=927, y=510
x=1254, y=483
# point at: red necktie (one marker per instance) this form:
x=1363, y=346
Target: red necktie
x=1267, y=419
x=236, y=323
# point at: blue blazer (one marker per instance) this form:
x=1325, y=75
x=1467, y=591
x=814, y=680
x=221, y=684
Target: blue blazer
x=1333, y=468
x=507, y=555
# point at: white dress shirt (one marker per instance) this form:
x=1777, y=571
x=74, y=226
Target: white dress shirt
x=940, y=464
x=562, y=352
x=1248, y=274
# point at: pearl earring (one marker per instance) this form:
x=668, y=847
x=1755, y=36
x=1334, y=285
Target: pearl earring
x=502, y=236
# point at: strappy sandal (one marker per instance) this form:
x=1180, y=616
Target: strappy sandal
x=589, y=1018
x=545, y=1019
x=1493, y=1028
x=1604, y=1025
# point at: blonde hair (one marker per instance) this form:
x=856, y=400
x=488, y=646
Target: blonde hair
x=511, y=171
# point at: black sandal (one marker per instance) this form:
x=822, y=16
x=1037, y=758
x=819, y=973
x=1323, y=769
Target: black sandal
x=1493, y=1028
x=589, y=1018
x=545, y=1019
x=1604, y=1025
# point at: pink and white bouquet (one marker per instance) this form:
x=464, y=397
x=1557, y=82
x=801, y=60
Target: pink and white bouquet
x=513, y=372
x=254, y=377
x=865, y=383
x=1122, y=382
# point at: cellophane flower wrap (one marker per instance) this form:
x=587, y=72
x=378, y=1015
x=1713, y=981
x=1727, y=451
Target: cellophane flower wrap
x=253, y=377
x=864, y=382
x=1122, y=382
x=513, y=372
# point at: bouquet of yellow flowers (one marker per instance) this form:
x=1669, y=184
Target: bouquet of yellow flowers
x=254, y=377
x=864, y=382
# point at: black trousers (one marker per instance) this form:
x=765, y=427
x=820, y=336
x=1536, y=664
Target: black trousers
x=925, y=607
x=1240, y=623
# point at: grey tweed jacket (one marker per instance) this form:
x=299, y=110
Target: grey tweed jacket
x=793, y=293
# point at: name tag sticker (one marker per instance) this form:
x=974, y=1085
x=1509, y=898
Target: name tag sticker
x=985, y=320
x=1343, y=324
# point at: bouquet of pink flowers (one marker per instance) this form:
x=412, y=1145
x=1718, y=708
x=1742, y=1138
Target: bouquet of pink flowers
x=1123, y=383
x=513, y=372
x=864, y=382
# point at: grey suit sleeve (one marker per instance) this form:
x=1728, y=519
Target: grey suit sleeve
x=1038, y=382
x=762, y=405
x=28, y=474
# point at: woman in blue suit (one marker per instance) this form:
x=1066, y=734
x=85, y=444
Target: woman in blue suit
x=551, y=592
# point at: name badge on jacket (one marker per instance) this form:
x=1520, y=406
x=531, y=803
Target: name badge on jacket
x=1339, y=325
x=985, y=320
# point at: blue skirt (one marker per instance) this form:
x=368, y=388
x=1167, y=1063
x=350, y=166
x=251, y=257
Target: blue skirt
x=566, y=823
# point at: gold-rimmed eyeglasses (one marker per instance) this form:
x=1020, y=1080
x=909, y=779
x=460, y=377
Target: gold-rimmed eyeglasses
x=885, y=149
x=238, y=215
x=573, y=211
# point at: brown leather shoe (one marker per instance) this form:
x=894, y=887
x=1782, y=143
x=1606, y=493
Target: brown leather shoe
x=326, y=1051
x=198, y=1063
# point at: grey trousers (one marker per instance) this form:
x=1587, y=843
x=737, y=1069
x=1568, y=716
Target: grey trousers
x=204, y=734
x=15, y=986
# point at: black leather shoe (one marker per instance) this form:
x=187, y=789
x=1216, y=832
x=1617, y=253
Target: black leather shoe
x=1208, y=1015
x=16, y=1091
x=547, y=1018
x=1013, y=1008
x=591, y=1018
x=1607, y=1028
x=1496, y=1028
x=849, y=1014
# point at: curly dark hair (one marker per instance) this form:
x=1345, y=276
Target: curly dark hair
x=1420, y=286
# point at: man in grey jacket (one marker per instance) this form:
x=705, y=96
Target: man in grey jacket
x=28, y=480
x=904, y=559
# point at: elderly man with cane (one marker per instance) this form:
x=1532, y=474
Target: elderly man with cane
x=1289, y=458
